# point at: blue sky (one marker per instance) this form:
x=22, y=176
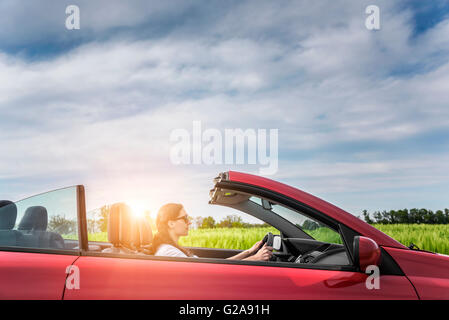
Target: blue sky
x=363, y=116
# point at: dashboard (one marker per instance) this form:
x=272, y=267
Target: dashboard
x=297, y=250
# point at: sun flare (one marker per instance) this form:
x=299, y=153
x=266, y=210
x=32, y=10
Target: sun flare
x=138, y=210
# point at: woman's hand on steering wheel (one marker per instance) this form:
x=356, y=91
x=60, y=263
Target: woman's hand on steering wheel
x=264, y=254
x=254, y=248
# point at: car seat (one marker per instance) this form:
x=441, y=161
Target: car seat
x=8, y=216
x=34, y=230
x=126, y=233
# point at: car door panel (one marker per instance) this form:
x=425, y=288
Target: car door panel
x=26, y=275
x=427, y=271
x=120, y=278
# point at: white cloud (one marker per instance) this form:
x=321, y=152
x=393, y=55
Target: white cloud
x=104, y=110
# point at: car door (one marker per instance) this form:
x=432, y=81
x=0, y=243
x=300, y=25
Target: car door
x=148, y=277
x=104, y=275
x=37, y=276
x=38, y=244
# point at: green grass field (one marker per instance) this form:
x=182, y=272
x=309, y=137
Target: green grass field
x=226, y=238
x=433, y=238
x=242, y=238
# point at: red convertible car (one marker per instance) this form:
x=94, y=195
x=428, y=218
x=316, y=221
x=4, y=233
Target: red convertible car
x=47, y=251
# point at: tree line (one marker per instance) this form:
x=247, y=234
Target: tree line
x=230, y=221
x=62, y=225
x=419, y=216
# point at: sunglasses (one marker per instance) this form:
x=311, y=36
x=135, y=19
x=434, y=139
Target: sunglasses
x=185, y=218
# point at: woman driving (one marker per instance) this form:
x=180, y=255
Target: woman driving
x=173, y=222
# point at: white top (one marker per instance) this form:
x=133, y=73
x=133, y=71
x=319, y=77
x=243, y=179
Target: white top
x=170, y=251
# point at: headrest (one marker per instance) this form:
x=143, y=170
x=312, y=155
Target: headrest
x=8, y=214
x=121, y=230
x=35, y=218
x=125, y=229
x=144, y=230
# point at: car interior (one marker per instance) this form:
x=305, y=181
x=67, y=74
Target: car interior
x=128, y=235
x=293, y=243
x=32, y=228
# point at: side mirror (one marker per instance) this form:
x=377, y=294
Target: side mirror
x=366, y=252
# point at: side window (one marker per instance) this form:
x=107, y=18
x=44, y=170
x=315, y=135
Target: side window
x=234, y=230
x=48, y=220
x=97, y=224
x=130, y=228
x=312, y=227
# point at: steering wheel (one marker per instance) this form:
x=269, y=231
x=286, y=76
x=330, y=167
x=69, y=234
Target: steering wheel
x=268, y=239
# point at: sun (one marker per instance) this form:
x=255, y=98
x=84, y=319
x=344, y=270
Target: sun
x=138, y=209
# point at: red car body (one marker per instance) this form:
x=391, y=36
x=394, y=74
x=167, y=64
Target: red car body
x=41, y=274
x=427, y=272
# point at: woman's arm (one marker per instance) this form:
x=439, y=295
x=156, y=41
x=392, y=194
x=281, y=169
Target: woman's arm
x=263, y=253
x=241, y=256
x=247, y=253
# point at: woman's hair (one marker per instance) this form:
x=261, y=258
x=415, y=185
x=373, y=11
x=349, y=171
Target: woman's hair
x=169, y=211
